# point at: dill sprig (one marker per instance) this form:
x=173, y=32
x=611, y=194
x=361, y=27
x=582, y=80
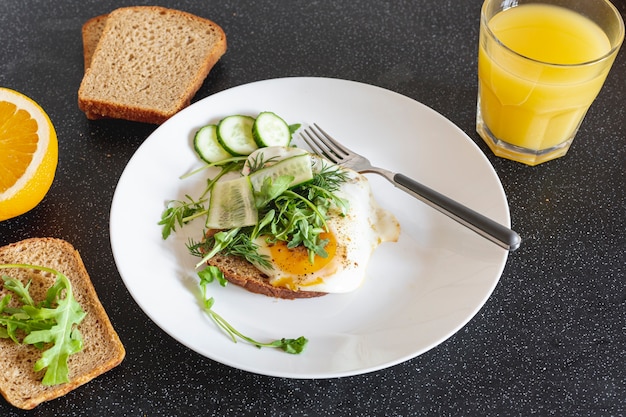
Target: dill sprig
x=228, y=242
x=330, y=177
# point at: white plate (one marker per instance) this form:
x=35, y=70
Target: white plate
x=418, y=292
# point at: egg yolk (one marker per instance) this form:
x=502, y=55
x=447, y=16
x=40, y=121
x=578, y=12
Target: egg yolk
x=296, y=261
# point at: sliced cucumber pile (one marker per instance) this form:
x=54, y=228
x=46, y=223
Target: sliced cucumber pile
x=264, y=140
x=240, y=135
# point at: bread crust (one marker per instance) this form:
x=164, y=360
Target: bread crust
x=106, y=93
x=102, y=348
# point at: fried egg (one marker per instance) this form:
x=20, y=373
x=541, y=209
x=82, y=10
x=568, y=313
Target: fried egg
x=352, y=238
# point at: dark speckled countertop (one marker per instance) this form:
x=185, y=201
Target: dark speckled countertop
x=551, y=340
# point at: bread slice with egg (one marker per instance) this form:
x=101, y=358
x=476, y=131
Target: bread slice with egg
x=102, y=349
x=242, y=273
x=239, y=271
x=148, y=64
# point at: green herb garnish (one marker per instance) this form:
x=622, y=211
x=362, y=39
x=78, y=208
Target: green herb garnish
x=296, y=216
x=212, y=273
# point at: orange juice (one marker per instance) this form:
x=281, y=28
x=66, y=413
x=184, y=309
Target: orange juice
x=535, y=90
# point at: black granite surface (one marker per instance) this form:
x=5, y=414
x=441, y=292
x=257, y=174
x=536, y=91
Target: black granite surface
x=551, y=340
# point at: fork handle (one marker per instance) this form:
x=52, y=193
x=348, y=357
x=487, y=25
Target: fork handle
x=486, y=227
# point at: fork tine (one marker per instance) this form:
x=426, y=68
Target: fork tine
x=311, y=142
x=316, y=147
x=328, y=140
x=321, y=143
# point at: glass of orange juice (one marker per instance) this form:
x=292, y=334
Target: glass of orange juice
x=541, y=63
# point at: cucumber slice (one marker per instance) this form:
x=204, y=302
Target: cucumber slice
x=270, y=130
x=269, y=156
x=297, y=166
x=234, y=133
x=207, y=146
x=232, y=205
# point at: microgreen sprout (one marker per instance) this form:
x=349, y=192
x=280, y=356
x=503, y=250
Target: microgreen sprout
x=212, y=273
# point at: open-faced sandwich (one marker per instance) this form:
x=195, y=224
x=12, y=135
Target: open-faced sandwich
x=281, y=221
x=54, y=333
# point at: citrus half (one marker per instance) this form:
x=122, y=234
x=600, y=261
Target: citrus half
x=28, y=153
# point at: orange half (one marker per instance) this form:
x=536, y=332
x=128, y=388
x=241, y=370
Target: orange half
x=28, y=153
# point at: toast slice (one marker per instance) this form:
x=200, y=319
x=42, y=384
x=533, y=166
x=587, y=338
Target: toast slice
x=91, y=33
x=148, y=63
x=242, y=273
x=102, y=348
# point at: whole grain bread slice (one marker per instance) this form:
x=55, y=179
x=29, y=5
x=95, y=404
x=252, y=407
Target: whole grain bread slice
x=102, y=348
x=91, y=34
x=148, y=63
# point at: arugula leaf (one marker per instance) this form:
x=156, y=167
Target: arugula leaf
x=19, y=289
x=66, y=339
x=4, y=302
x=271, y=189
x=53, y=322
x=266, y=220
x=294, y=127
x=14, y=319
x=228, y=242
x=293, y=346
x=221, y=241
x=179, y=212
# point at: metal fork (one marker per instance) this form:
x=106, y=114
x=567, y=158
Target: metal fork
x=323, y=144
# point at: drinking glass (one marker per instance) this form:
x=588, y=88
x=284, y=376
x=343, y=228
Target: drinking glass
x=541, y=63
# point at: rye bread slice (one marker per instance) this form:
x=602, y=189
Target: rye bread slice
x=148, y=63
x=102, y=348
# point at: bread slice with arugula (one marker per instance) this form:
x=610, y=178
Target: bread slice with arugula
x=148, y=64
x=102, y=349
